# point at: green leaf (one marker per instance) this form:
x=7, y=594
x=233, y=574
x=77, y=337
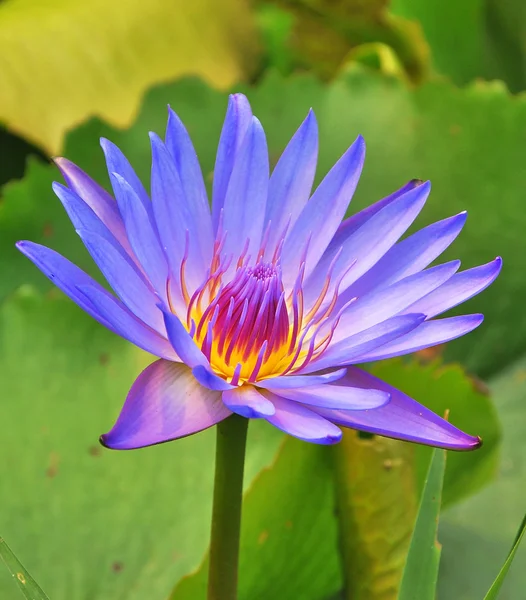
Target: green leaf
x=448, y=388
x=476, y=534
x=493, y=592
x=435, y=131
x=377, y=504
x=27, y=585
x=421, y=569
x=63, y=60
x=288, y=537
x=85, y=519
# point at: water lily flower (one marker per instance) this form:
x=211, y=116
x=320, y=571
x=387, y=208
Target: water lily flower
x=264, y=304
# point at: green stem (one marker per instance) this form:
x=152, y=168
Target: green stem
x=226, y=513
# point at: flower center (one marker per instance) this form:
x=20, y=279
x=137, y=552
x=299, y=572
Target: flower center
x=246, y=325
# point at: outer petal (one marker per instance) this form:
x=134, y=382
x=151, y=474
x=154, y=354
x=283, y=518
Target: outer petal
x=71, y=280
x=366, y=246
x=402, y=418
x=118, y=163
x=122, y=276
x=177, y=221
x=301, y=381
x=291, y=182
x=387, y=302
x=409, y=256
x=429, y=333
x=458, y=289
x=322, y=215
x=96, y=197
x=354, y=347
x=237, y=121
x=164, y=403
x=246, y=197
x=301, y=422
x=182, y=150
x=335, y=396
x=142, y=236
x=248, y=402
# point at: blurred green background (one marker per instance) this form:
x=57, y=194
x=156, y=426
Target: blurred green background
x=436, y=88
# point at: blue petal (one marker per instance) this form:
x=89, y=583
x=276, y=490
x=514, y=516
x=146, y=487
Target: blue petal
x=237, y=121
x=118, y=163
x=70, y=279
x=183, y=343
x=164, y=403
x=177, y=222
x=210, y=380
x=402, y=418
x=378, y=306
x=125, y=324
x=248, y=402
x=302, y=422
x=142, y=236
x=246, y=197
x=353, y=348
x=335, y=396
x=300, y=381
x=96, y=197
x=366, y=246
x=458, y=289
x=426, y=335
x=322, y=215
x=291, y=182
x=182, y=151
x=408, y=256
x=124, y=278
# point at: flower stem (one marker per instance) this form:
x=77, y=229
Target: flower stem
x=226, y=512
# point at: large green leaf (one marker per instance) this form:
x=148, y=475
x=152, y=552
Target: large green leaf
x=448, y=389
x=434, y=131
x=477, y=534
x=64, y=60
x=27, y=585
x=85, y=520
x=376, y=506
x=421, y=569
x=288, y=538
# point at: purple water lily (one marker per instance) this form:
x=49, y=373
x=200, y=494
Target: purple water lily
x=263, y=305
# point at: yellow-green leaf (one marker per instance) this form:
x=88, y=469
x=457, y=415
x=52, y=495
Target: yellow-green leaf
x=64, y=60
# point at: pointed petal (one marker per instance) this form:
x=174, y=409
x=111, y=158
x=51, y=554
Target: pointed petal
x=409, y=256
x=108, y=311
x=378, y=306
x=142, y=236
x=248, y=402
x=207, y=378
x=402, y=418
x=366, y=246
x=246, y=197
x=177, y=222
x=322, y=214
x=291, y=182
x=96, y=197
x=164, y=403
x=237, y=121
x=126, y=324
x=300, y=381
x=124, y=279
x=302, y=422
x=118, y=163
x=180, y=147
x=458, y=289
x=335, y=396
x=429, y=333
x=183, y=343
x=354, y=347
